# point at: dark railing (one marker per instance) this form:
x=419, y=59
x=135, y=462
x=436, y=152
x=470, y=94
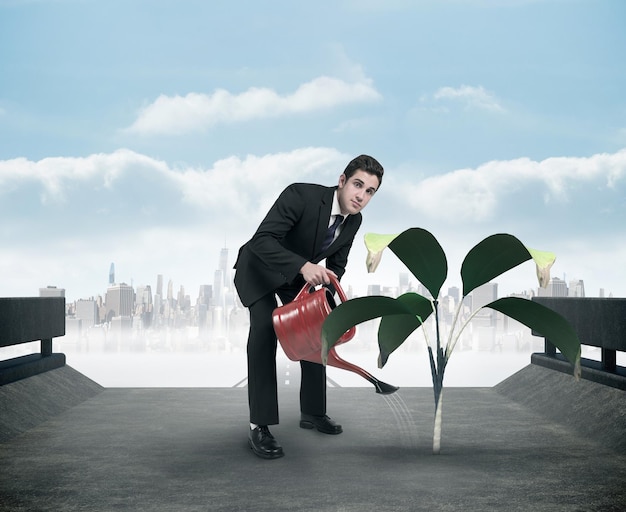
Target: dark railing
x=599, y=322
x=26, y=319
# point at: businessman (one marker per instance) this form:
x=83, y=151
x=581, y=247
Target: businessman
x=307, y=224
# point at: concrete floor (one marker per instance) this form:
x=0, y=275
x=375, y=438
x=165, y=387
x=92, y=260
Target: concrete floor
x=185, y=450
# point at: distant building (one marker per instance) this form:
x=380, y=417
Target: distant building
x=143, y=305
x=144, y=297
x=373, y=289
x=218, y=288
x=205, y=294
x=556, y=288
x=224, y=265
x=87, y=311
x=447, y=308
x=119, y=301
x=51, y=291
x=389, y=291
x=455, y=293
x=170, y=293
x=481, y=296
x=159, y=288
x=403, y=282
x=203, y=306
x=484, y=294
x=423, y=291
x=119, y=331
x=576, y=288
x=180, y=298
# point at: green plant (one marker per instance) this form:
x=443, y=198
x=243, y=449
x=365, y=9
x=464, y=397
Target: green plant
x=421, y=253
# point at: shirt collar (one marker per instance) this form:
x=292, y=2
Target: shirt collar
x=336, y=209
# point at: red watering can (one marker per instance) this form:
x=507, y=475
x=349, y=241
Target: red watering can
x=298, y=326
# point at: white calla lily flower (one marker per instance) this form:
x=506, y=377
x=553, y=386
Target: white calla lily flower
x=375, y=245
x=544, y=261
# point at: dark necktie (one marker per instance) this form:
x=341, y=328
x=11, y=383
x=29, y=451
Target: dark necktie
x=330, y=233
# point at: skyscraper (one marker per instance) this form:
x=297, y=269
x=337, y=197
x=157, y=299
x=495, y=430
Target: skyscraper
x=218, y=288
x=576, y=288
x=87, y=312
x=403, y=282
x=455, y=293
x=482, y=295
x=159, y=287
x=112, y=274
x=556, y=288
x=373, y=289
x=224, y=265
x=143, y=305
x=119, y=301
x=170, y=293
x=205, y=294
x=51, y=291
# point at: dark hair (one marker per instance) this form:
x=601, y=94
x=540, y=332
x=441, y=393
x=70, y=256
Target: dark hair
x=365, y=163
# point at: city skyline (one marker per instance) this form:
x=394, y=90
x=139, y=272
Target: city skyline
x=161, y=318
x=146, y=303
x=403, y=278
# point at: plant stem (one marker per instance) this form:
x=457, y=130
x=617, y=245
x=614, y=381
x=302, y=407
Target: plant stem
x=436, y=308
x=433, y=371
x=438, y=370
x=438, y=423
x=425, y=331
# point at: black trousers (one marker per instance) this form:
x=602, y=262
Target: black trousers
x=262, y=383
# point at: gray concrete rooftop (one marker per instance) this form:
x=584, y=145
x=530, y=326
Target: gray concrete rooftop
x=538, y=441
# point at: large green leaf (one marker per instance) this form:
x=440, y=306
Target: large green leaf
x=395, y=329
x=353, y=312
x=488, y=259
x=545, y=321
x=420, y=251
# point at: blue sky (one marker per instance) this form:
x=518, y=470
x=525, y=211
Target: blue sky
x=153, y=133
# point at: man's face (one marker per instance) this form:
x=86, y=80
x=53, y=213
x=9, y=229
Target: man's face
x=353, y=194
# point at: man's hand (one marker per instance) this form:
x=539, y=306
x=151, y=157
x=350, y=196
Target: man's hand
x=316, y=274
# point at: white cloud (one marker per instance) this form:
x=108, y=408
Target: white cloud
x=57, y=174
x=248, y=187
x=234, y=187
x=193, y=212
x=172, y=115
x=476, y=194
x=147, y=216
x=471, y=97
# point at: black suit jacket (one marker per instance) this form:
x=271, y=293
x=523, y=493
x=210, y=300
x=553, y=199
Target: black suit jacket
x=290, y=235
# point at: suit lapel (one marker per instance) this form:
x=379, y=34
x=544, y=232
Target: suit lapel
x=324, y=216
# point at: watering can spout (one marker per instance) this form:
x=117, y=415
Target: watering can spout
x=298, y=326
x=381, y=387
x=385, y=389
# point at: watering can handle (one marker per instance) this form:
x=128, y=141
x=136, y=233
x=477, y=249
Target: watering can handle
x=333, y=281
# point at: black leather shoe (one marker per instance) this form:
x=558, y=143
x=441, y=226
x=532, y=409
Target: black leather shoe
x=263, y=443
x=321, y=423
